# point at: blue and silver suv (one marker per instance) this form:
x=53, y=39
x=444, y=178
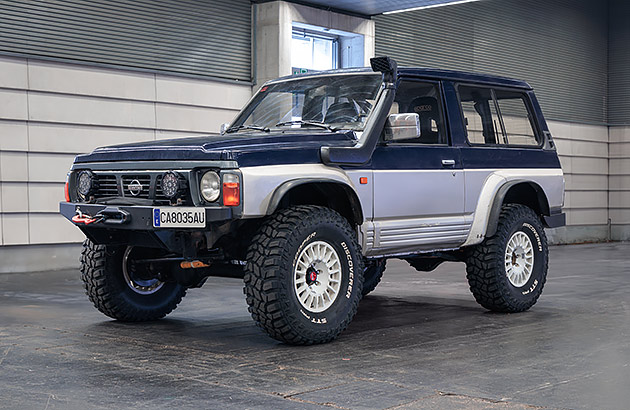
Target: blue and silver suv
x=317, y=182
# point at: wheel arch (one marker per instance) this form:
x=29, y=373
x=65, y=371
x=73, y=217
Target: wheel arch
x=318, y=191
x=522, y=192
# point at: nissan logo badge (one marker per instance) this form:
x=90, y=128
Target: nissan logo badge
x=135, y=187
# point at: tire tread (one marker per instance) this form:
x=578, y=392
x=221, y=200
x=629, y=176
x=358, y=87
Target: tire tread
x=483, y=264
x=106, y=297
x=263, y=278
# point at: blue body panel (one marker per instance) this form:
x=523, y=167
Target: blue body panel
x=302, y=146
x=248, y=149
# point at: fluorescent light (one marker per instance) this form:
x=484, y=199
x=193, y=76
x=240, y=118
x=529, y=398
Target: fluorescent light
x=431, y=6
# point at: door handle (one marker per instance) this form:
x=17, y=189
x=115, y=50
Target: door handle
x=448, y=162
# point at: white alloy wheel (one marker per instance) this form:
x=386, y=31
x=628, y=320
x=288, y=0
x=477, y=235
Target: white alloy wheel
x=519, y=259
x=317, y=276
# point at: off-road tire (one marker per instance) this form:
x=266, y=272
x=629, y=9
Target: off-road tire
x=372, y=274
x=485, y=266
x=270, y=269
x=101, y=272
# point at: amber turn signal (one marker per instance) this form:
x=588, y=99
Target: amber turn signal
x=231, y=190
x=67, y=192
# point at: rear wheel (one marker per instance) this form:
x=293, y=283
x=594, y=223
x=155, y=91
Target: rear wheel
x=123, y=289
x=507, y=271
x=301, y=276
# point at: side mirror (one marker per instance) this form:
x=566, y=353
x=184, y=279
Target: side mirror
x=402, y=127
x=224, y=127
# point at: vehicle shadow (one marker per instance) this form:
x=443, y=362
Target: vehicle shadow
x=379, y=320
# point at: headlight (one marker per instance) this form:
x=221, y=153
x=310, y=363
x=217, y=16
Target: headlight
x=170, y=184
x=210, y=186
x=85, y=183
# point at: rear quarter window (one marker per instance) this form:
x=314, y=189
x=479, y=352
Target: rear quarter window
x=497, y=117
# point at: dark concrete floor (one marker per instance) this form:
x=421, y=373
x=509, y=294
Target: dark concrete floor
x=419, y=341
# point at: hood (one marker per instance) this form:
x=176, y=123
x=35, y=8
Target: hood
x=247, y=148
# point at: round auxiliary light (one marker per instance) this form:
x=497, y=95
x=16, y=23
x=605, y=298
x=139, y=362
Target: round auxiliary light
x=85, y=183
x=210, y=186
x=170, y=184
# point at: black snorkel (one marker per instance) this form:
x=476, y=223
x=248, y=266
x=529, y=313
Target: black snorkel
x=362, y=151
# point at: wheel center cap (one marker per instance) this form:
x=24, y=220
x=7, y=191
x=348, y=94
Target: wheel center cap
x=311, y=276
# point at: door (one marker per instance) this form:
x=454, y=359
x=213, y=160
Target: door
x=418, y=183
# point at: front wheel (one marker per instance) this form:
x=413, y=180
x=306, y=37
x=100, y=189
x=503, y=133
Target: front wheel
x=304, y=275
x=124, y=289
x=507, y=271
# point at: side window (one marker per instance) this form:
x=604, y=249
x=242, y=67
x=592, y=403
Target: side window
x=496, y=117
x=480, y=115
x=517, y=120
x=423, y=99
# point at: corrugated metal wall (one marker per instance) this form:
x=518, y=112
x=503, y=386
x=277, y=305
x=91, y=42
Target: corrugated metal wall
x=558, y=46
x=196, y=37
x=619, y=63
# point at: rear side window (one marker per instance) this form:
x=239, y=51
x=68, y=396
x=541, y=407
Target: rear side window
x=517, y=121
x=497, y=117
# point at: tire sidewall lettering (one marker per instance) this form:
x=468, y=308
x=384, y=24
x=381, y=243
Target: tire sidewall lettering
x=341, y=304
x=534, y=281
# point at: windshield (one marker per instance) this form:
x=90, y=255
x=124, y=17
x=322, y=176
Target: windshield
x=325, y=102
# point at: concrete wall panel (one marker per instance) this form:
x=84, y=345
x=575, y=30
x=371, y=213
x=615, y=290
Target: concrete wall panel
x=73, y=109
x=48, y=167
x=15, y=229
x=13, y=104
x=13, y=166
x=201, y=93
x=13, y=136
x=90, y=81
x=52, y=228
x=14, y=73
x=73, y=139
x=14, y=197
x=45, y=197
x=189, y=118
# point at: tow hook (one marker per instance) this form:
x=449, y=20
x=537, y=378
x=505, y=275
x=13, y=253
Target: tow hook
x=81, y=218
x=108, y=215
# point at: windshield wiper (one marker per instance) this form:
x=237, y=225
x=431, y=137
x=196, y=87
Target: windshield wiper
x=310, y=123
x=247, y=127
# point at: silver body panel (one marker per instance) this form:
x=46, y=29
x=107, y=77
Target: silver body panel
x=482, y=186
x=407, y=211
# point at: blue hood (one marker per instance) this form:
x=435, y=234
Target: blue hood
x=248, y=149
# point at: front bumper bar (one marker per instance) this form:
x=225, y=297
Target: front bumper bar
x=131, y=217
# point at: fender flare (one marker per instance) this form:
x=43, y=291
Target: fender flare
x=285, y=187
x=499, y=197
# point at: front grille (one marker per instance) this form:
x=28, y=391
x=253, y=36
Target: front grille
x=106, y=186
x=112, y=184
x=136, y=186
x=159, y=195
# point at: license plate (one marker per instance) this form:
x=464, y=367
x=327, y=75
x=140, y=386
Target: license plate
x=172, y=217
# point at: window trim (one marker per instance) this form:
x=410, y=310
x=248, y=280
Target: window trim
x=528, y=106
x=447, y=132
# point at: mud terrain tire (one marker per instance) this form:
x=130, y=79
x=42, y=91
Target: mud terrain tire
x=288, y=260
x=106, y=286
x=507, y=271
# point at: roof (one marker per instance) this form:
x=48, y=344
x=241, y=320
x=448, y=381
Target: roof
x=424, y=72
